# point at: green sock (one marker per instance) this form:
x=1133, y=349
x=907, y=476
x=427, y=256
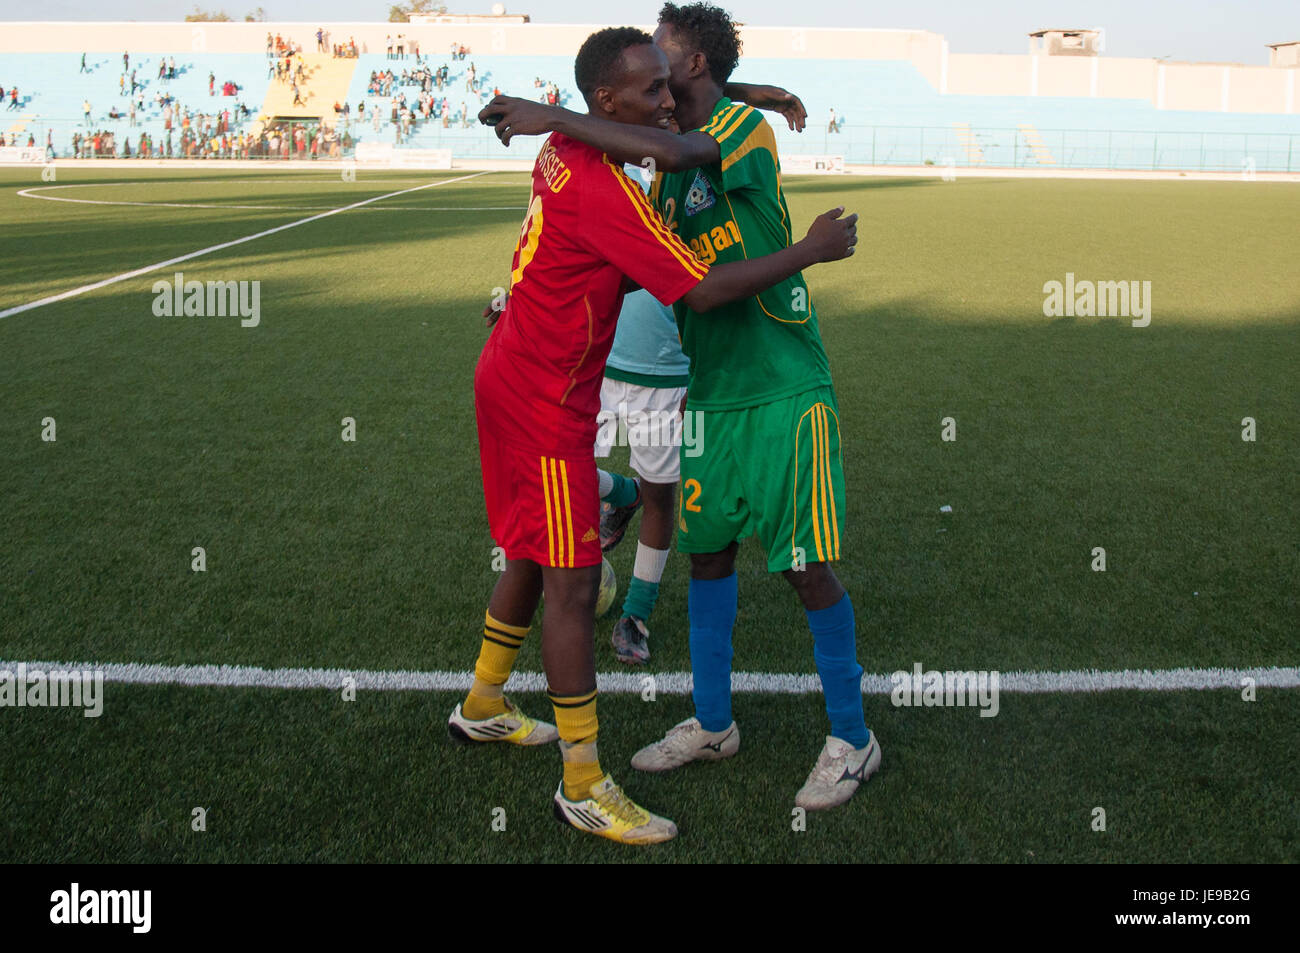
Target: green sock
x=641, y=596
x=624, y=491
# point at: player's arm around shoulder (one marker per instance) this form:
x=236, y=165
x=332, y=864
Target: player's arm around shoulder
x=647, y=146
x=622, y=142
x=672, y=151
x=772, y=98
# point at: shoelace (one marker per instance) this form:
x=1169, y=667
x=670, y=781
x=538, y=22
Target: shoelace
x=512, y=713
x=831, y=769
x=615, y=802
x=678, y=732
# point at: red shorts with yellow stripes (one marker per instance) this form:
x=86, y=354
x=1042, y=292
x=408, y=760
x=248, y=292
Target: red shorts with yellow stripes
x=541, y=507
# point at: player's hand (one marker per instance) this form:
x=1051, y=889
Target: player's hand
x=831, y=238
x=492, y=313
x=511, y=116
x=776, y=99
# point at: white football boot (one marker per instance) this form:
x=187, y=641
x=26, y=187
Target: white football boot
x=685, y=742
x=839, y=770
x=512, y=725
x=608, y=812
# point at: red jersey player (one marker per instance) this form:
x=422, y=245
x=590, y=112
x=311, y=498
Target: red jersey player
x=537, y=393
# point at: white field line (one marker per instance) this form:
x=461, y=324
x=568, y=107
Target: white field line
x=671, y=683
x=330, y=175
x=125, y=276
x=35, y=193
x=292, y=208
x=1006, y=172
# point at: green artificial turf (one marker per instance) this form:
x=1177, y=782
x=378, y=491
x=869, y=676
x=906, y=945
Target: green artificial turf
x=1072, y=433
x=291, y=776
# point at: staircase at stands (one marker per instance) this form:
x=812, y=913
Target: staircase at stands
x=1037, y=148
x=969, y=143
x=326, y=81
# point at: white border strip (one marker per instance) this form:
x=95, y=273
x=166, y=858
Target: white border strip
x=35, y=193
x=230, y=244
x=670, y=683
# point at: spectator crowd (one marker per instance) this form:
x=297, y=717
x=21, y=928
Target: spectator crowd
x=405, y=98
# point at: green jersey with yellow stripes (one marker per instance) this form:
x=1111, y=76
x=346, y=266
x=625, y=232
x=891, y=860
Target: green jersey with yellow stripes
x=766, y=347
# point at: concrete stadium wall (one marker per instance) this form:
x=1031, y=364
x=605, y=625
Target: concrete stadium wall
x=988, y=74
x=1204, y=87
x=1128, y=79
x=1174, y=86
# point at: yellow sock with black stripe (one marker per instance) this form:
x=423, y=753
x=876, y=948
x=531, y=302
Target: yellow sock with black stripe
x=495, y=660
x=575, y=719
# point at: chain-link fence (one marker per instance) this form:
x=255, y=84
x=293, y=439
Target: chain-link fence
x=875, y=145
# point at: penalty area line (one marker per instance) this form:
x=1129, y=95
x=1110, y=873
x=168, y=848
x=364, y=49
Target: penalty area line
x=671, y=683
x=127, y=275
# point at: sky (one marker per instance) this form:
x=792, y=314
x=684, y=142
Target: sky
x=1198, y=30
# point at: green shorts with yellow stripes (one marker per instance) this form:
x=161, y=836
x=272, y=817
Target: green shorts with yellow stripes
x=773, y=471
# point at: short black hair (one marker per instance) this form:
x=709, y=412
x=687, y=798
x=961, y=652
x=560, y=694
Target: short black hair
x=600, y=60
x=709, y=30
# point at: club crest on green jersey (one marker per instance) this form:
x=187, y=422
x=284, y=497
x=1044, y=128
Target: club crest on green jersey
x=700, y=196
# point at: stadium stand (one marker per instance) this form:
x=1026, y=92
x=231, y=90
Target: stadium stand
x=57, y=91
x=892, y=116
x=888, y=112
x=513, y=75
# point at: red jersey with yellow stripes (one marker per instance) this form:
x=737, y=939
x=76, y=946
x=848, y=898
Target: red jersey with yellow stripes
x=537, y=384
x=587, y=226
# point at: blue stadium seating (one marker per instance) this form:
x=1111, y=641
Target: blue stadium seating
x=52, y=89
x=514, y=75
x=890, y=114
x=893, y=116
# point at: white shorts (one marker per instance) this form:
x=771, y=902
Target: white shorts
x=647, y=420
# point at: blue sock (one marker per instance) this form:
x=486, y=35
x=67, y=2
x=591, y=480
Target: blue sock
x=835, y=649
x=711, y=605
